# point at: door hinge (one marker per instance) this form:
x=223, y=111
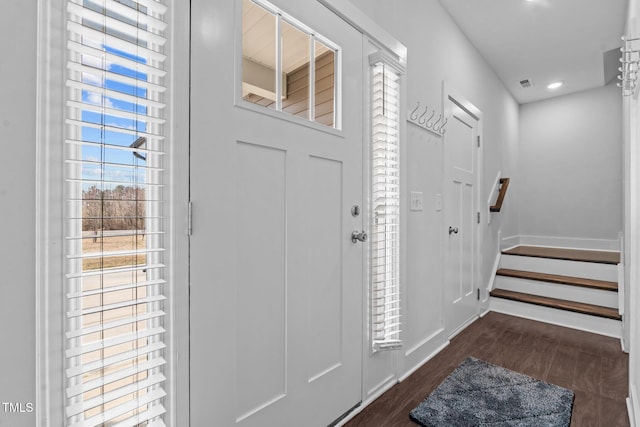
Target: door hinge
x=478, y=294
x=478, y=217
x=189, y=218
x=478, y=141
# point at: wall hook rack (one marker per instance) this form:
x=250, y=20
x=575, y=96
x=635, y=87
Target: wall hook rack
x=629, y=65
x=425, y=120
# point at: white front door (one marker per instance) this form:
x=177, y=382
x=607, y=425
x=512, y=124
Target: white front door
x=276, y=282
x=461, y=192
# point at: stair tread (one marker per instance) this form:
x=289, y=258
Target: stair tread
x=603, y=257
x=577, y=307
x=557, y=278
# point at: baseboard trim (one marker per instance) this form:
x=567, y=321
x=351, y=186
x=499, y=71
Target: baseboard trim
x=509, y=242
x=423, y=342
x=492, y=278
x=425, y=360
x=462, y=327
x=367, y=402
x=387, y=384
x=633, y=406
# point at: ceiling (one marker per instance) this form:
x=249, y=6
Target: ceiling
x=574, y=41
x=259, y=40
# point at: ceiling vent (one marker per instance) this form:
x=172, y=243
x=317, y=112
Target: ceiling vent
x=526, y=83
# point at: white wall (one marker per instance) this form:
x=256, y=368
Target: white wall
x=631, y=114
x=17, y=205
x=439, y=51
x=570, y=174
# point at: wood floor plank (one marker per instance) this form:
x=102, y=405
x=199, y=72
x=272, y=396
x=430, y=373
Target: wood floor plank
x=556, y=278
x=603, y=257
x=590, y=368
x=563, y=366
x=577, y=307
x=589, y=413
x=613, y=382
x=612, y=413
x=539, y=360
x=506, y=340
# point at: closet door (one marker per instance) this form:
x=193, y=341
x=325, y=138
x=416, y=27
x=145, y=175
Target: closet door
x=276, y=280
x=461, y=212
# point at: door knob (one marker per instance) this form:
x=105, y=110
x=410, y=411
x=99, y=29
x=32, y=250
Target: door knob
x=357, y=236
x=453, y=230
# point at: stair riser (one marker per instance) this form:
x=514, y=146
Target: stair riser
x=559, y=291
x=583, y=322
x=588, y=270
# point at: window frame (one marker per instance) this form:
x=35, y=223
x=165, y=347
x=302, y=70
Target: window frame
x=50, y=222
x=383, y=56
x=239, y=102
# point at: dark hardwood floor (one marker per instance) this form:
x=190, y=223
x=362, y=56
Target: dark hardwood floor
x=593, y=366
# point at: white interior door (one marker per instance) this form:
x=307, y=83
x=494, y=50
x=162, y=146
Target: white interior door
x=276, y=282
x=461, y=189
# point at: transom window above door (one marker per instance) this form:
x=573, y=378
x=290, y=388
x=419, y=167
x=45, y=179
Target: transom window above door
x=286, y=66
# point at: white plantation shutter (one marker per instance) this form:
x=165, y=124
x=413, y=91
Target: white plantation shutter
x=385, y=199
x=114, y=213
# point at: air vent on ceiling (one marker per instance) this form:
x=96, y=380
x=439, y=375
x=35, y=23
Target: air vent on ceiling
x=526, y=83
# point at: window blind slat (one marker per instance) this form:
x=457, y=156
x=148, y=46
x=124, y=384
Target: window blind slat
x=116, y=95
x=154, y=411
x=97, y=72
x=101, y=344
x=156, y=423
x=114, y=165
x=113, y=182
x=114, y=129
x=116, y=376
x=115, y=270
x=118, y=411
x=113, y=147
x=108, y=325
x=116, y=394
x=123, y=10
x=131, y=285
x=115, y=113
x=106, y=58
x=114, y=42
x=114, y=306
x=120, y=357
x=154, y=7
x=138, y=30
x=115, y=253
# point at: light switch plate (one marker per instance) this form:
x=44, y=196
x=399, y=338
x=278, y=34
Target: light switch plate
x=417, y=201
x=438, y=202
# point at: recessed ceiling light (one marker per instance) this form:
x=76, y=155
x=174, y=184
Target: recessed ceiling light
x=554, y=85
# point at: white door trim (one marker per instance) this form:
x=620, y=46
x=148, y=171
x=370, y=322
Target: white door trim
x=375, y=35
x=451, y=93
x=367, y=26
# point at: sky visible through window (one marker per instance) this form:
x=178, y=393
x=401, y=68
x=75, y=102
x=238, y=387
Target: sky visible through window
x=112, y=129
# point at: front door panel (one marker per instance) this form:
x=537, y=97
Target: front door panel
x=276, y=283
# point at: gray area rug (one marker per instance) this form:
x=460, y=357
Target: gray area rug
x=478, y=393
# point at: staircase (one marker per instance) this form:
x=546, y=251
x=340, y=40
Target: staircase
x=568, y=287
